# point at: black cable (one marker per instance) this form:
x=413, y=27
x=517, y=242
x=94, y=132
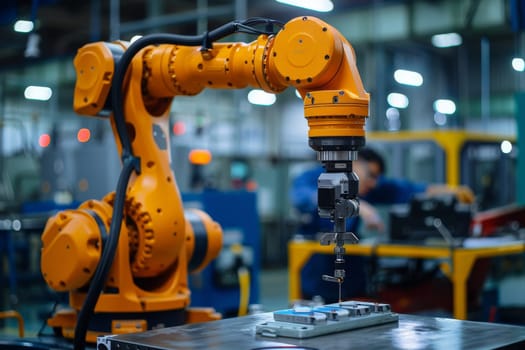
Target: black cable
x=125, y=60
x=44, y=323
x=269, y=23
x=155, y=39
x=106, y=260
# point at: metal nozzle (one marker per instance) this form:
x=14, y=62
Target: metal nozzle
x=329, y=278
x=338, y=280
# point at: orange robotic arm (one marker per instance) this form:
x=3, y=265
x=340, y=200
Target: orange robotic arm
x=158, y=243
x=306, y=53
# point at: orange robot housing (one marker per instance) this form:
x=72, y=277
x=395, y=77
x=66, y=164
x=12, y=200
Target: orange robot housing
x=159, y=243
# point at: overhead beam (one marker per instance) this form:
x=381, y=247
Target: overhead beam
x=404, y=20
x=176, y=18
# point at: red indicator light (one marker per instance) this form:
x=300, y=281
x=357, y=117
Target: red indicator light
x=44, y=140
x=83, y=135
x=179, y=128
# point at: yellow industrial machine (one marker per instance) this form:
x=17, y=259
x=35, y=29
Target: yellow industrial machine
x=453, y=143
x=454, y=157
x=124, y=259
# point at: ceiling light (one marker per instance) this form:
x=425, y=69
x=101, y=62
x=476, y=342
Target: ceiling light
x=445, y=106
x=440, y=119
x=22, y=26
x=446, y=40
x=408, y=77
x=32, y=49
x=518, y=64
x=506, y=146
x=40, y=93
x=397, y=100
x=260, y=97
x=315, y=5
x=392, y=113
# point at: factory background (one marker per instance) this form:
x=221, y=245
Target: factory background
x=434, y=67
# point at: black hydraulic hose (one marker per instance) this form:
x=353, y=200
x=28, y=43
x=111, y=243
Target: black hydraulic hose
x=132, y=50
x=118, y=79
x=106, y=260
x=154, y=39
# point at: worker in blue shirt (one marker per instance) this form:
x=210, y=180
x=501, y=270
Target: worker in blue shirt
x=374, y=188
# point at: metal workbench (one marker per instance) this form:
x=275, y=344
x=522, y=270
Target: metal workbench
x=412, y=332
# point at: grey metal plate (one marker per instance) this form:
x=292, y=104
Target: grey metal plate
x=411, y=332
x=303, y=323
x=295, y=330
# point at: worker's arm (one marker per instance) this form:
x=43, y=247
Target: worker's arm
x=463, y=193
x=394, y=191
x=399, y=191
x=371, y=218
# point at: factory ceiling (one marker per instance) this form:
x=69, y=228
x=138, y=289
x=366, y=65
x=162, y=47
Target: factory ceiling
x=63, y=26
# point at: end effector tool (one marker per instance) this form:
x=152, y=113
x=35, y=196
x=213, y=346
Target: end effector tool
x=337, y=201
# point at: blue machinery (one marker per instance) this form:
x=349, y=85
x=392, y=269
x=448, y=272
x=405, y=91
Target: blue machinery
x=223, y=283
